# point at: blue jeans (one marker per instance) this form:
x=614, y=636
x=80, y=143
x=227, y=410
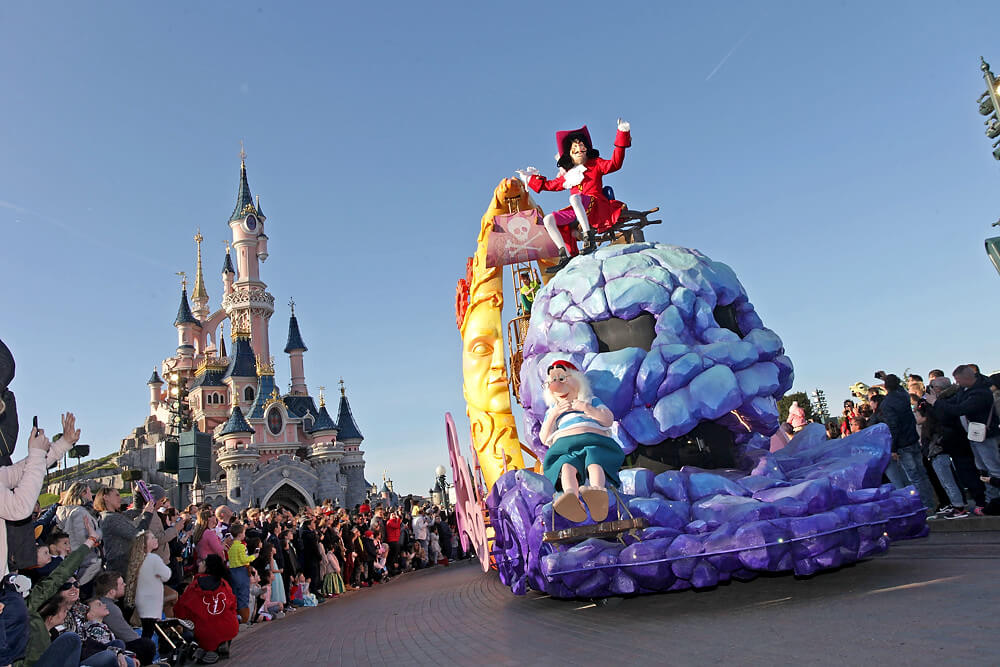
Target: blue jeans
x=241, y=586
x=64, y=651
x=945, y=475
x=987, y=455
x=106, y=659
x=909, y=469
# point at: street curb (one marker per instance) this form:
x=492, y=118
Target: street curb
x=967, y=525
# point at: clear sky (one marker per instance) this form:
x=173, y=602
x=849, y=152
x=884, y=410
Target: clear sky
x=831, y=153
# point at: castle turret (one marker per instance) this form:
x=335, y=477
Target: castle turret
x=294, y=348
x=187, y=326
x=238, y=458
x=228, y=273
x=325, y=456
x=248, y=303
x=241, y=373
x=154, y=391
x=353, y=462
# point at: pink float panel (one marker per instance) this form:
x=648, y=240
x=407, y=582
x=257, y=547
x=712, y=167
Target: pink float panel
x=519, y=237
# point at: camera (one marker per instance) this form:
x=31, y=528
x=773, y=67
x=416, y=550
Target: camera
x=880, y=375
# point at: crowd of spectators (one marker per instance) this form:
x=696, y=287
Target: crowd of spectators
x=113, y=585
x=945, y=436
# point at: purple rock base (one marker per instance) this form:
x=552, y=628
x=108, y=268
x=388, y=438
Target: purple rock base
x=817, y=504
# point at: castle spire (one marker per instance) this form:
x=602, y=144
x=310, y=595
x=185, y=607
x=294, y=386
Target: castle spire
x=346, y=427
x=227, y=266
x=199, y=281
x=244, y=200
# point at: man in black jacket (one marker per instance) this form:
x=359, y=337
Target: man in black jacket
x=974, y=402
x=907, y=464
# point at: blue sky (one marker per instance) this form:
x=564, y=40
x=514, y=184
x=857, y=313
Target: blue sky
x=831, y=153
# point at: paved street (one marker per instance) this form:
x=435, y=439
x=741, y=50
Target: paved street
x=930, y=601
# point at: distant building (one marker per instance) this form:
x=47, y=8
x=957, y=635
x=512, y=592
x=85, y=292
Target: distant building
x=268, y=448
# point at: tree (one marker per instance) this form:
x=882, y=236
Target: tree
x=788, y=399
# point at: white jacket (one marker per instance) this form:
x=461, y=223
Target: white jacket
x=153, y=573
x=20, y=485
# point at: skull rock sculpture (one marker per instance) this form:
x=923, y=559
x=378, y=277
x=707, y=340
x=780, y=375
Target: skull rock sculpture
x=669, y=341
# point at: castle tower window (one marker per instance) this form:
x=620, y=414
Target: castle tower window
x=274, y=421
x=248, y=393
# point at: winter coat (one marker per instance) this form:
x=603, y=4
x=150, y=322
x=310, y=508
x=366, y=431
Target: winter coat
x=210, y=603
x=163, y=535
x=975, y=403
x=895, y=413
x=153, y=573
x=209, y=544
x=38, y=634
x=118, y=532
x=20, y=485
x=73, y=520
x=392, y=527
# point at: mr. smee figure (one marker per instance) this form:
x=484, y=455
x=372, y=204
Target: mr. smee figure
x=576, y=430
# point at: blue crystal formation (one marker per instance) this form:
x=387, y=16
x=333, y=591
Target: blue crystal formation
x=816, y=504
x=697, y=368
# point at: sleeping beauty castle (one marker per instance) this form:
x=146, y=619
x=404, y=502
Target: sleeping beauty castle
x=250, y=443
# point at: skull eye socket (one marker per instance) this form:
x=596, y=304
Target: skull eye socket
x=617, y=334
x=725, y=316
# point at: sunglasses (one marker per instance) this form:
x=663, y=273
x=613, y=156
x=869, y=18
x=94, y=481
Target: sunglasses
x=68, y=585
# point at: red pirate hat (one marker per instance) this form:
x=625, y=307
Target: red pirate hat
x=563, y=364
x=562, y=135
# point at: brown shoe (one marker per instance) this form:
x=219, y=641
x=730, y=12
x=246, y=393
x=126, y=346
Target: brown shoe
x=569, y=506
x=597, y=502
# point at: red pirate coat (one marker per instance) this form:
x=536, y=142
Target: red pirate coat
x=210, y=603
x=602, y=213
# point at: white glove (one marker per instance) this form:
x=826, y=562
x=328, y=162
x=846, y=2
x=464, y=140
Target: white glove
x=574, y=176
x=526, y=174
x=623, y=126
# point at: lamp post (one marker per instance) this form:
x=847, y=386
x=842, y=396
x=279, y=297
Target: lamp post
x=442, y=484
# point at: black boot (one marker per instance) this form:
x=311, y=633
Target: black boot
x=563, y=261
x=590, y=245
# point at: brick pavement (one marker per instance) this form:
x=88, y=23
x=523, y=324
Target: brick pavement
x=926, y=602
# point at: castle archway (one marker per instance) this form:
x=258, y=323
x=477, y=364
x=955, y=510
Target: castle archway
x=288, y=494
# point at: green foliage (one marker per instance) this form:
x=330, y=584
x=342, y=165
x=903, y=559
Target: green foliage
x=788, y=399
x=47, y=499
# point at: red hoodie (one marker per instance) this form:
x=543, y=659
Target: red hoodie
x=392, y=529
x=210, y=603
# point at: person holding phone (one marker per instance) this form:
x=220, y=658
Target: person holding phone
x=21, y=482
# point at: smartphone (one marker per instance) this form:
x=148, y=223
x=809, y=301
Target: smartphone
x=34, y=422
x=143, y=490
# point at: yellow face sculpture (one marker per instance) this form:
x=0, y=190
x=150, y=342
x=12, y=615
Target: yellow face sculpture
x=486, y=386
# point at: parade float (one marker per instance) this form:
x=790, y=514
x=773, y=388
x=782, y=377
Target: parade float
x=658, y=350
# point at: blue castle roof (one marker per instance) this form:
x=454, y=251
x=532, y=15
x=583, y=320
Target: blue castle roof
x=264, y=391
x=323, y=422
x=346, y=428
x=242, y=363
x=227, y=266
x=237, y=423
x=184, y=315
x=243, y=196
x=211, y=377
x=299, y=406
x=155, y=378
x=294, y=337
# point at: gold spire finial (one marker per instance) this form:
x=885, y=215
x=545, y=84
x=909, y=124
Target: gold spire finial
x=243, y=154
x=291, y=304
x=342, y=390
x=322, y=396
x=199, y=281
x=184, y=280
